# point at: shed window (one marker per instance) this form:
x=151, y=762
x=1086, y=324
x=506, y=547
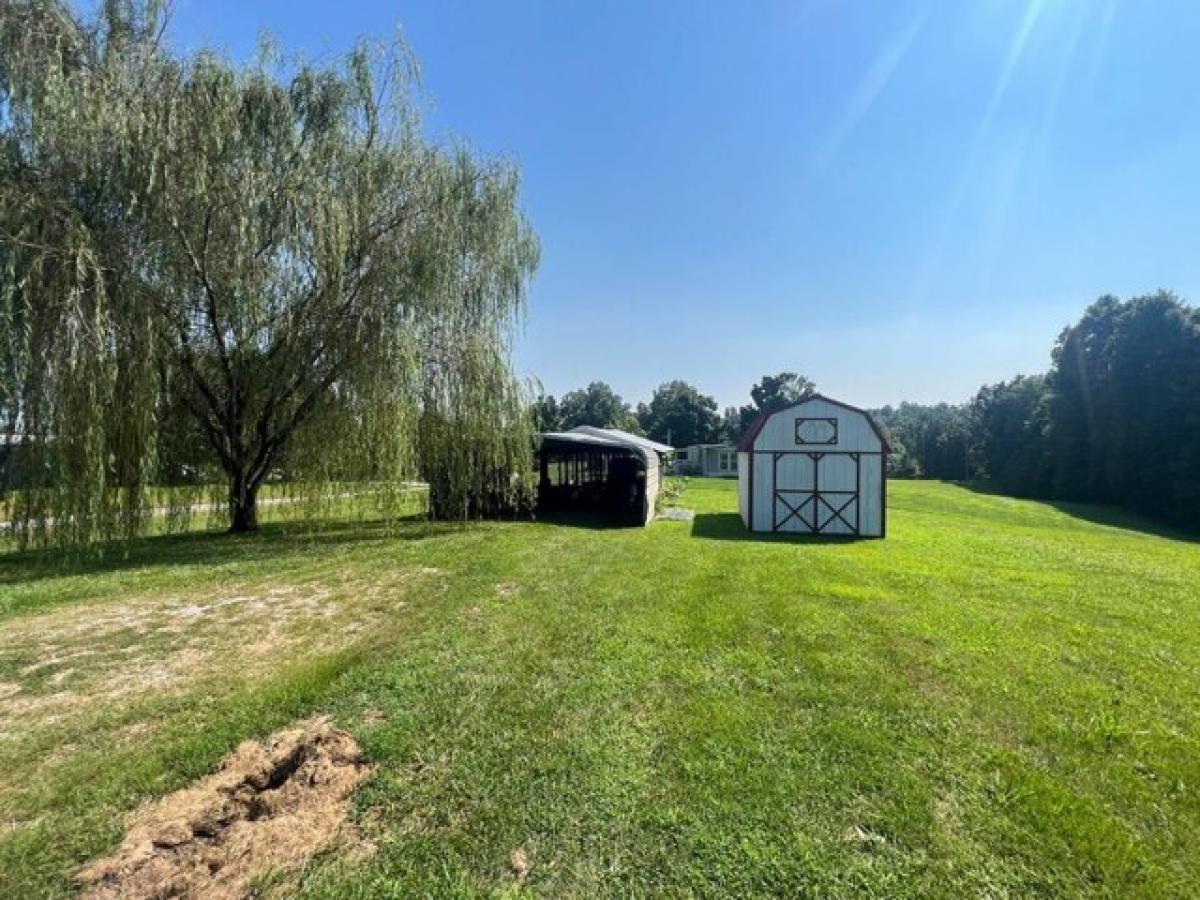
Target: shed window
x=817, y=431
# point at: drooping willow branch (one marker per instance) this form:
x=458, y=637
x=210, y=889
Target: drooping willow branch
x=214, y=276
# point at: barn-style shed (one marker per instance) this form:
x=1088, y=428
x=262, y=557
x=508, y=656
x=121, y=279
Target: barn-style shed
x=818, y=466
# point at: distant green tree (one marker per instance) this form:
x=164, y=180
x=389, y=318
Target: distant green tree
x=772, y=392
x=775, y=391
x=927, y=440
x=1009, y=425
x=680, y=415
x=730, y=429
x=1080, y=388
x=1123, y=421
x=546, y=413
x=900, y=461
x=597, y=405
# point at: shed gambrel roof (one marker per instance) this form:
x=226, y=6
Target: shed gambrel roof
x=746, y=444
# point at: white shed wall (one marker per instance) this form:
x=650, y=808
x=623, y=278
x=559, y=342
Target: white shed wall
x=744, y=489
x=764, y=497
x=873, y=496
x=794, y=470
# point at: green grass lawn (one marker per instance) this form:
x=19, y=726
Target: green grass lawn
x=1001, y=698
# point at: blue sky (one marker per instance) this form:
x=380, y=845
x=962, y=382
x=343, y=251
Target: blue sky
x=902, y=199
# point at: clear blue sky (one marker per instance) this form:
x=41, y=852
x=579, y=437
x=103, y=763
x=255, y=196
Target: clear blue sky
x=902, y=199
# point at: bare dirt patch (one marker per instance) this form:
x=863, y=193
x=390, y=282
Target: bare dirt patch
x=270, y=807
x=60, y=666
x=518, y=864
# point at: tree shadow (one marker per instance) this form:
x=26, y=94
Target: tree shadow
x=729, y=527
x=1099, y=514
x=275, y=540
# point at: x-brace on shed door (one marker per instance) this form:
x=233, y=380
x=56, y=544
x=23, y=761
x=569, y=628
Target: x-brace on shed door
x=815, y=491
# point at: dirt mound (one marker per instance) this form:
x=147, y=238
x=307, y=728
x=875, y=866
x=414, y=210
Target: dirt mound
x=270, y=807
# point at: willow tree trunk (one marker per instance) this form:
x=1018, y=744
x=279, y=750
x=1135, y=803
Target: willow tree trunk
x=243, y=505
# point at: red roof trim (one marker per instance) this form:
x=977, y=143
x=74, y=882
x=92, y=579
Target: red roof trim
x=746, y=444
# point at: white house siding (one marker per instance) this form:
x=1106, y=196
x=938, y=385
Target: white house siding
x=704, y=459
x=778, y=461
x=712, y=461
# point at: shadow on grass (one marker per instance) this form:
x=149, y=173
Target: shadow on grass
x=1099, y=514
x=595, y=521
x=210, y=547
x=729, y=527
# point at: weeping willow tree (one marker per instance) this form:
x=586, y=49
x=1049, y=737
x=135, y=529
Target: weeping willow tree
x=217, y=271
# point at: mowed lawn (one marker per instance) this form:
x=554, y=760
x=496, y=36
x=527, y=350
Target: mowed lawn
x=1001, y=698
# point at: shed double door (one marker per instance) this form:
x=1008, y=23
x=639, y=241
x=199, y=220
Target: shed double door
x=816, y=492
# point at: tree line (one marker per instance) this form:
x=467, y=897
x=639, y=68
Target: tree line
x=1115, y=419
x=678, y=413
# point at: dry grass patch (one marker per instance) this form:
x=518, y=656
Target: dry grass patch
x=58, y=665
